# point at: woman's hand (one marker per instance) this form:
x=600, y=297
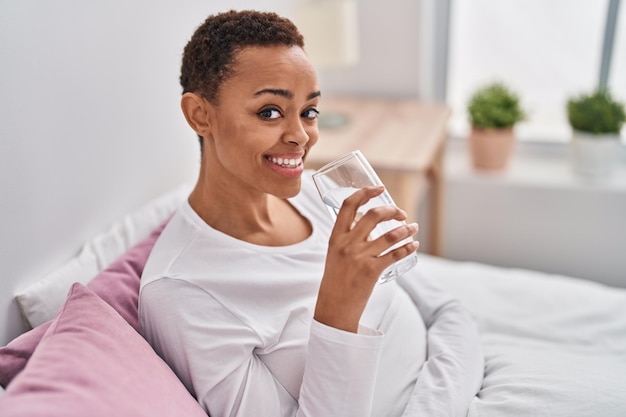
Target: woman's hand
x=353, y=264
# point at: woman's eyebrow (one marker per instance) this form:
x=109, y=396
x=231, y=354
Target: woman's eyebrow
x=284, y=93
x=275, y=91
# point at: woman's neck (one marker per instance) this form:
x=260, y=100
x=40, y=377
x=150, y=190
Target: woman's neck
x=254, y=217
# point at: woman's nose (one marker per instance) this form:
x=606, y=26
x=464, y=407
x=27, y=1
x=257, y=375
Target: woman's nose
x=296, y=133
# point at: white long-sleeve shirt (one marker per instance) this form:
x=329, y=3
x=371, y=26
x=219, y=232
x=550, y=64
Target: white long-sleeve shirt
x=234, y=321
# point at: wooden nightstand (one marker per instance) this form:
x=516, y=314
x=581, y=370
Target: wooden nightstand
x=403, y=139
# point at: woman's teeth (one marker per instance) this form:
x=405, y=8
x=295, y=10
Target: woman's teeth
x=286, y=162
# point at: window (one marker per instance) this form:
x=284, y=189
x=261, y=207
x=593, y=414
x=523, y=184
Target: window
x=547, y=51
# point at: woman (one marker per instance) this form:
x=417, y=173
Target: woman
x=263, y=306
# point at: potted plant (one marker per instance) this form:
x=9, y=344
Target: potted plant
x=596, y=120
x=493, y=112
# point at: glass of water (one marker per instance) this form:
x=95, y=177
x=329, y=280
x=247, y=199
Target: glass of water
x=339, y=179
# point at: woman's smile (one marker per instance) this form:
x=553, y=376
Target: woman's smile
x=290, y=165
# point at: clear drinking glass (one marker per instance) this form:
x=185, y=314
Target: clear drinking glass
x=339, y=179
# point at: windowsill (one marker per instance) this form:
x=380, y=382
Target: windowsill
x=535, y=133
x=535, y=164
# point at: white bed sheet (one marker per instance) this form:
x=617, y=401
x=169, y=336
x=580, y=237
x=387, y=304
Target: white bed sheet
x=554, y=345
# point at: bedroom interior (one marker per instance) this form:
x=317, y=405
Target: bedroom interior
x=95, y=155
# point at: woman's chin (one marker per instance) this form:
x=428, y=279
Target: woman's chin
x=290, y=190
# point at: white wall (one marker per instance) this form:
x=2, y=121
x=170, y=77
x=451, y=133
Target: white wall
x=90, y=126
x=389, y=52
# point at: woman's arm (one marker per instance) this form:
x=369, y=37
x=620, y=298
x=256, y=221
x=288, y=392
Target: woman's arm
x=213, y=353
x=453, y=371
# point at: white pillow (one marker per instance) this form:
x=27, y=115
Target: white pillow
x=135, y=226
x=40, y=301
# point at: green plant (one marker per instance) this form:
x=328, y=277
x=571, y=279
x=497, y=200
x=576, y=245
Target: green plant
x=596, y=113
x=495, y=106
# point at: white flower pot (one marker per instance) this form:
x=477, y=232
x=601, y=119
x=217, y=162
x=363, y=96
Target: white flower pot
x=594, y=156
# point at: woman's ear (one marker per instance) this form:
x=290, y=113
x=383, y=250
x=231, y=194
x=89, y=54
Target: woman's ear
x=196, y=111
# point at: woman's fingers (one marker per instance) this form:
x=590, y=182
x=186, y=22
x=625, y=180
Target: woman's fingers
x=391, y=238
x=399, y=253
x=374, y=216
x=359, y=226
x=364, y=226
x=350, y=207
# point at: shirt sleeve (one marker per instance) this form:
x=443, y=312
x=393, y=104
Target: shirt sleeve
x=454, y=367
x=212, y=352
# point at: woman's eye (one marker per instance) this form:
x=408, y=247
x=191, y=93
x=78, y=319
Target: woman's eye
x=270, y=113
x=311, y=113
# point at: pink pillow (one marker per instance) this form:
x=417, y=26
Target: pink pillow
x=118, y=285
x=90, y=362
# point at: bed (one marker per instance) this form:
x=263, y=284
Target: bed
x=554, y=345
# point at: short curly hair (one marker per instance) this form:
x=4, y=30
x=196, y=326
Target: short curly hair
x=208, y=57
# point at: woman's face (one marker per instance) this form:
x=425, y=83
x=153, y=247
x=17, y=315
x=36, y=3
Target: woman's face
x=265, y=121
